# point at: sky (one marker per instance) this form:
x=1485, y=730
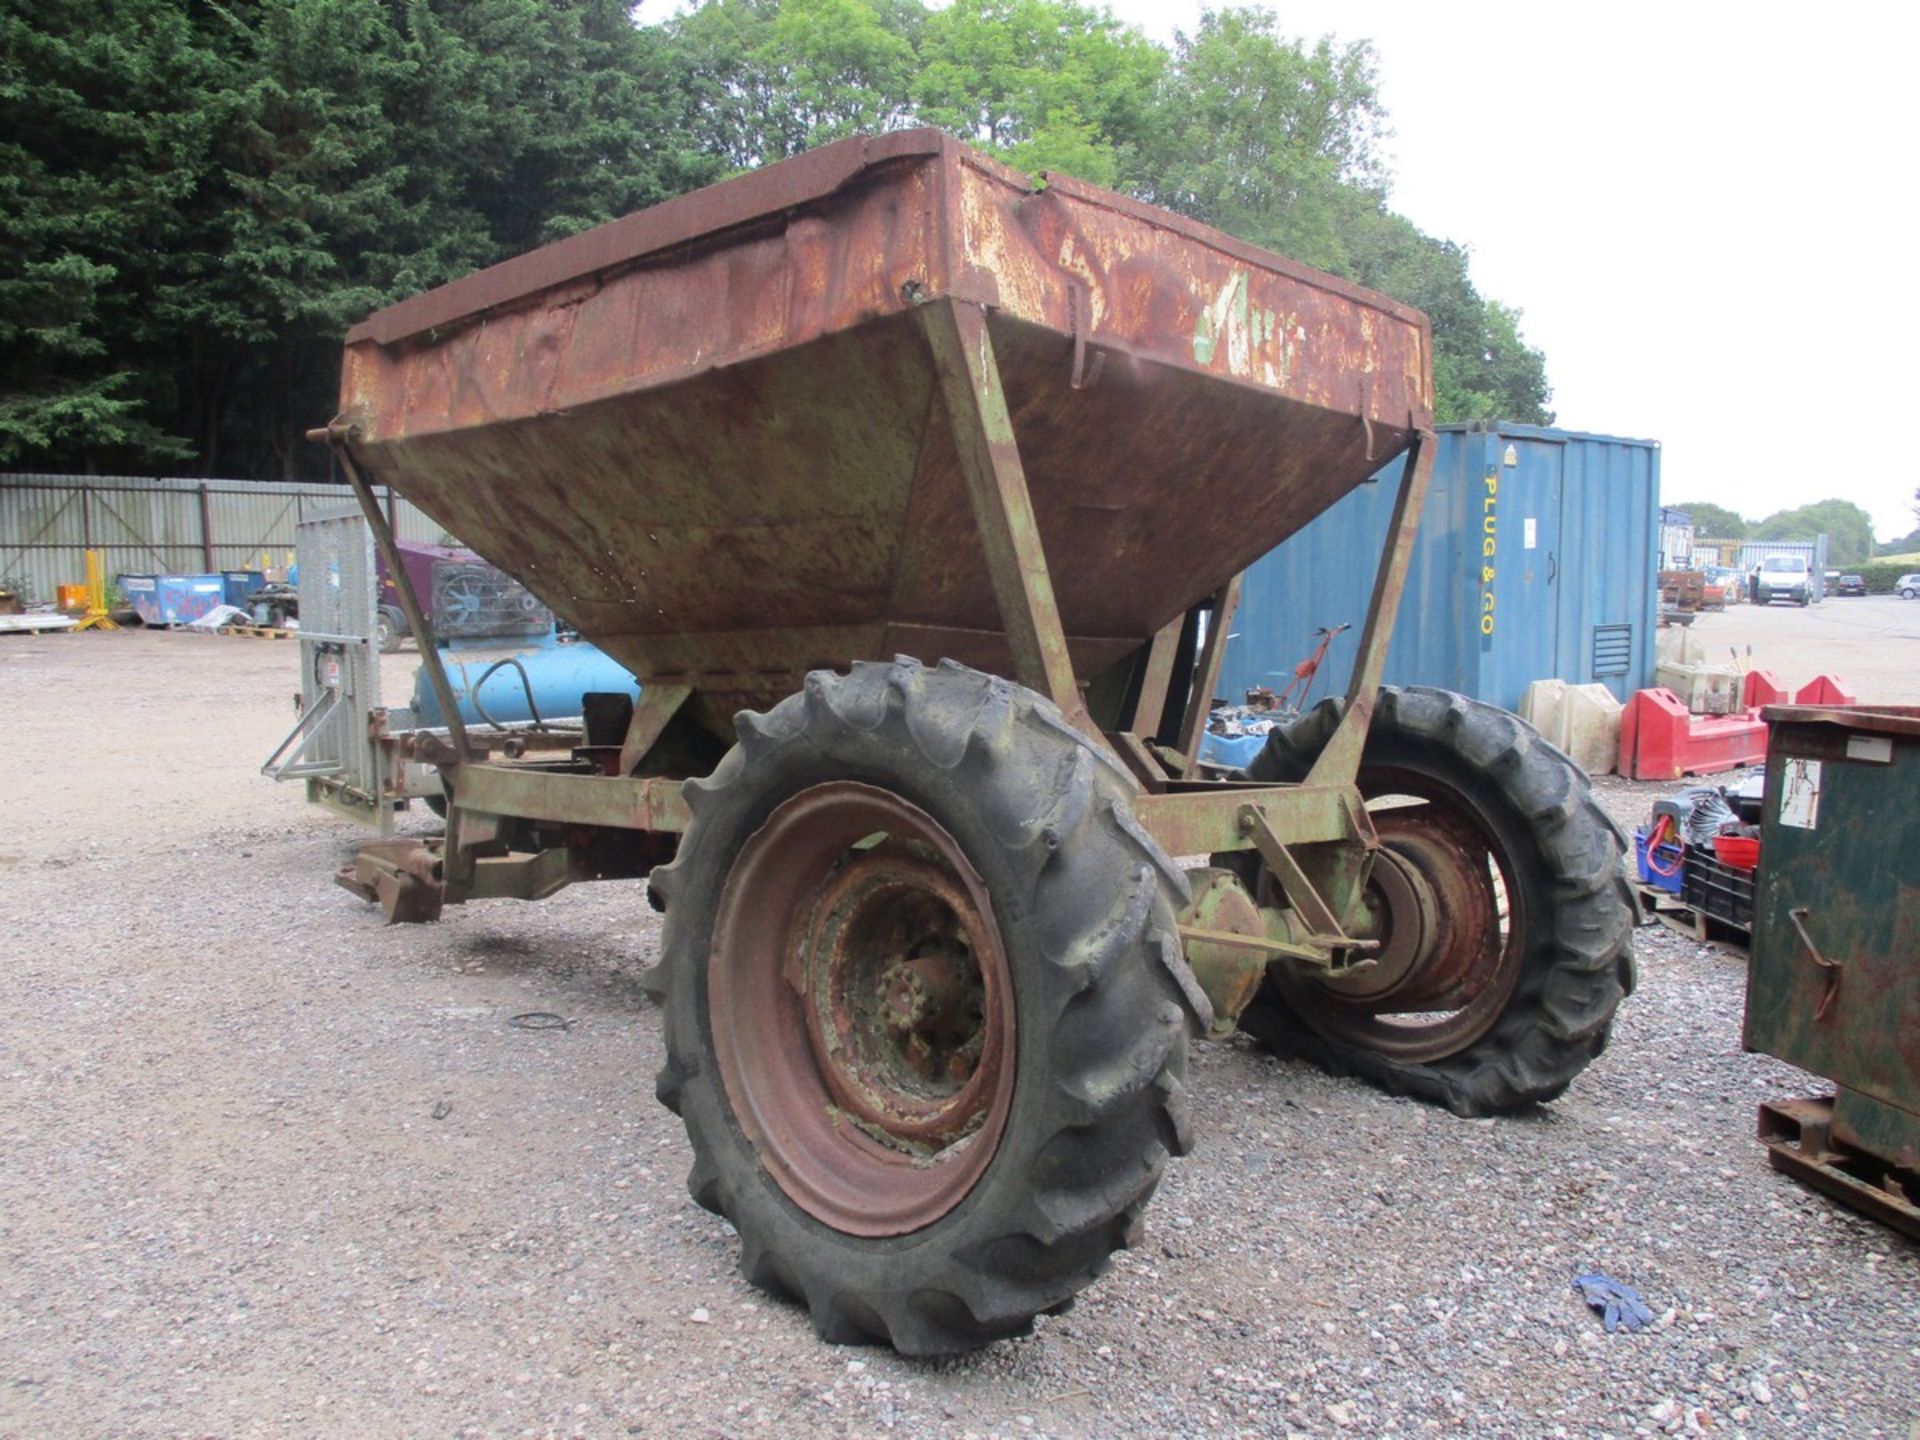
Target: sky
x=1703, y=211
x=1704, y=215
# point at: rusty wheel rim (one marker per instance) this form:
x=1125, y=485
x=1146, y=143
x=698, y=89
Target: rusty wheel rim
x=861, y=1009
x=1447, y=909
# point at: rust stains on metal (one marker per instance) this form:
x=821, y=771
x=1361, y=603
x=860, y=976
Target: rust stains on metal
x=1802, y=1141
x=696, y=218
x=863, y=1009
x=710, y=435
x=405, y=878
x=976, y=406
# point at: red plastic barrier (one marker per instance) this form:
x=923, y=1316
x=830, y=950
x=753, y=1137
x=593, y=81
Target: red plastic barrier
x=1824, y=690
x=1659, y=740
x=1763, y=687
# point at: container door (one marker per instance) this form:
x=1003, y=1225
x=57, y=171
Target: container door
x=1609, y=560
x=1519, y=566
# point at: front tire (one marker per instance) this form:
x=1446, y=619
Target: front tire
x=926, y=1013
x=1527, y=896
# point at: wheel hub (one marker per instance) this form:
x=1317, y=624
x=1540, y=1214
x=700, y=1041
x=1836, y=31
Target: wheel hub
x=1403, y=916
x=1449, y=953
x=895, y=1001
x=862, y=1009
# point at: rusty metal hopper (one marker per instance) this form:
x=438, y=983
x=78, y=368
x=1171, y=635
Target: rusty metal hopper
x=711, y=435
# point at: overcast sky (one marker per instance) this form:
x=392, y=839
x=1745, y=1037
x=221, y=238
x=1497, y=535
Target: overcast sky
x=1702, y=210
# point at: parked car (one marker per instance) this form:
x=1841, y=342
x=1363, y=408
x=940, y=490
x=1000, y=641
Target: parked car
x=1850, y=585
x=1733, y=585
x=1783, y=577
x=1907, y=587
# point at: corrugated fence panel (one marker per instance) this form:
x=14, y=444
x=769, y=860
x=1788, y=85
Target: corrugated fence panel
x=37, y=525
x=163, y=526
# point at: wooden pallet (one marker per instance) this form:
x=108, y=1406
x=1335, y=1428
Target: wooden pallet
x=258, y=632
x=1668, y=909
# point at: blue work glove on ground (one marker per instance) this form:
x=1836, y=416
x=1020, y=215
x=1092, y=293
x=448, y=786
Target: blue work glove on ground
x=1620, y=1305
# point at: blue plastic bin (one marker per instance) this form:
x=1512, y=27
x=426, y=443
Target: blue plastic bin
x=172, y=599
x=237, y=585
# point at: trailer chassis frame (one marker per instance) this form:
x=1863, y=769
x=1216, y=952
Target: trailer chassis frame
x=512, y=826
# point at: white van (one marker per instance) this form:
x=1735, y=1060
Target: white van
x=1782, y=577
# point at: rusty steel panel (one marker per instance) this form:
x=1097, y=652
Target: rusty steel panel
x=1834, y=978
x=713, y=436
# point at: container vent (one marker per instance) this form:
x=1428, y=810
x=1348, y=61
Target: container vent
x=1612, y=650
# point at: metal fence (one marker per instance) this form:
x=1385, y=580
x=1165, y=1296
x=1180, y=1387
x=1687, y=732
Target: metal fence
x=169, y=527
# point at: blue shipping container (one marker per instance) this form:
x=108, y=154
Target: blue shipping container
x=1536, y=559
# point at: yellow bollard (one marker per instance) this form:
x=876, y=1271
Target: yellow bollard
x=96, y=616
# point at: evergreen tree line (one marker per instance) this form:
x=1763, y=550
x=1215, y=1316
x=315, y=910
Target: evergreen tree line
x=198, y=197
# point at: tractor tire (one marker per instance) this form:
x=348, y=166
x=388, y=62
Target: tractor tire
x=926, y=1011
x=389, y=629
x=1535, y=919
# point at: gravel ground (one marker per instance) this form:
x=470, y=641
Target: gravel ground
x=270, y=1168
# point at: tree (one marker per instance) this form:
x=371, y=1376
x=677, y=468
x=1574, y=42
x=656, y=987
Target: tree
x=1906, y=545
x=1716, y=522
x=200, y=199
x=1848, y=528
x=776, y=77
x=1482, y=367
x=196, y=201
x=1046, y=84
x=1267, y=137
x=107, y=115
x=1278, y=142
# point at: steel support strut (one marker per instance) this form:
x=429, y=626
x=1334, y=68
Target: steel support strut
x=1206, y=674
x=1339, y=762
x=997, y=485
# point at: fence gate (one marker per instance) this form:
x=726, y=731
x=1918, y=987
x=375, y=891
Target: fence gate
x=331, y=748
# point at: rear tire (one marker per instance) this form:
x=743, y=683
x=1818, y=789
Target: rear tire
x=931, y=1176
x=1543, y=1007
x=389, y=626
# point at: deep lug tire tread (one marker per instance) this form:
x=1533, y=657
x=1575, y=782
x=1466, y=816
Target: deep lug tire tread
x=1103, y=1005
x=1579, y=961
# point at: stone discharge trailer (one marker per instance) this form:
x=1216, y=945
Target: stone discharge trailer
x=930, y=969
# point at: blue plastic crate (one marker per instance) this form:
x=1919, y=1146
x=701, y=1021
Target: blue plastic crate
x=1669, y=855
